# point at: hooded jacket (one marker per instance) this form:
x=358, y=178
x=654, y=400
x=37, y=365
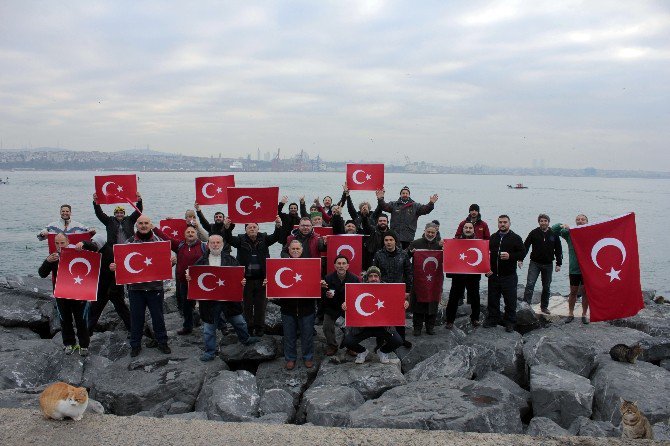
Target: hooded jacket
x=481, y=228
x=112, y=225
x=404, y=216
x=510, y=243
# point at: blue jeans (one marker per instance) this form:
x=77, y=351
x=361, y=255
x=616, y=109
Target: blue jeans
x=209, y=332
x=185, y=305
x=291, y=324
x=534, y=270
x=505, y=286
x=139, y=301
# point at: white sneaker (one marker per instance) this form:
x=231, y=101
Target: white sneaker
x=384, y=358
x=361, y=357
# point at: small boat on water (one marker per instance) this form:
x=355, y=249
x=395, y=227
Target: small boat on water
x=517, y=186
x=5, y=181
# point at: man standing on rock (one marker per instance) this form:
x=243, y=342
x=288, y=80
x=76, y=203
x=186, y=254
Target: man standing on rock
x=405, y=214
x=474, y=217
x=64, y=225
x=506, y=249
x=545, y=246
x=425, y=312
x=335, y=284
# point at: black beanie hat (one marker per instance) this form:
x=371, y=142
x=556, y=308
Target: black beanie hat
x=474, y=207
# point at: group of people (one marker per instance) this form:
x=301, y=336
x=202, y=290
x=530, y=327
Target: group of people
x=389, y=244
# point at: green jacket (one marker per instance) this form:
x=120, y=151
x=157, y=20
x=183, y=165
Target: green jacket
x=574, y=264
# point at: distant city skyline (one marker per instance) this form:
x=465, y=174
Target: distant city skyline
x=543, y=83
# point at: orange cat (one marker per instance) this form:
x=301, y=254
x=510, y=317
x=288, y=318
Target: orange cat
x=61, y=400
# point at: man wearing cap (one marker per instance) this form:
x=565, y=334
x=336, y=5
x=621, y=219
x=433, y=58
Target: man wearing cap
x=120, y=228
x=474, y=217
x=405, y=213
x=65, y=225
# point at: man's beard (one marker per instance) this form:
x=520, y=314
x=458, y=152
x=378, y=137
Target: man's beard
x=216, y=252
x=382, y=227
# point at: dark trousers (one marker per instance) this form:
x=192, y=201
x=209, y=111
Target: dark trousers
x=139, y=301
x=388, y=336
x=460, y=283
x=254, y=304
x=419, y=319
x=72, y=311
x=504, y=286
x=186, y=305
x=534, y=270
x=108, y=291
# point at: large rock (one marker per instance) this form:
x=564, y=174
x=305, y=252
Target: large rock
x=21, y=398
x=652, y=320
x=574, y=346
x=8, y=336
x=458, y=404
x=526, y=318
x=426, y=346
x=273, y=375
x=544, y=427
x=229, y=396
x=132, y=385
x=273, y=323
x=29, y=285
x=264, y=350
x=276, y=401
x=112, y=345
x=655, y=349
x=460, y=362
x=642, y=382
x=560, y=395
x=661, y=431
x=329, y=405
x=585, y=427
x=371, y=379
x=499, y=351
x=20, y=309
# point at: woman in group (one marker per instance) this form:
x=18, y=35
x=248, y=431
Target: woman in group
x=462, y=282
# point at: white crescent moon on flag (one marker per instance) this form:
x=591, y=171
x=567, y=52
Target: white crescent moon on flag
x=357, y=304
x=200, y=279
x=608, y=241
x=278, y=277
x=480, y=256
x=104, y=187
x=353, y=176
x=431, y=260
x=204, y=190
x=166, y=226
x=238, y=202
x=126, y=263
x=80, y=260
x=346, y=248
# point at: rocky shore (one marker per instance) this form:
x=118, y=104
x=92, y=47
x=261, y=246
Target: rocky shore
x=547, y=379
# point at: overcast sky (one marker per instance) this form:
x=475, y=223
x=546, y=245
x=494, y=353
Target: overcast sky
x=576, y=83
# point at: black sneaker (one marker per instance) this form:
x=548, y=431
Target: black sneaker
x=135, y=351
x=164, y=348
x=407, y=344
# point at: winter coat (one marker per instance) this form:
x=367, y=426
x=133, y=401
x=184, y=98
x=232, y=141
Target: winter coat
x=404, y=216
x=252, y=254
x=112, y=225
x=312, y=244
x=481, y=228
x=395, y=266
x=511, y=243
x=546, y=245
x=332, y=306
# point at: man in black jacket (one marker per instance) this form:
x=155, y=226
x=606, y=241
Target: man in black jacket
x=211, y=228
x=288, y=221
x=120, y=228
x=375, y=236
x=506, y=248
x=545, y=246
x=335, y=284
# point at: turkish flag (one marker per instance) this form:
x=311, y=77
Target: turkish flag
x=78, y=274
x=350, y=246
x=253, y=204
x=142, y=262
x=293, y=278
x=610, y=263
x=174, y=227
x=213, y=190
x=112, y=189
x=466, y=256
x=374, y=304
x=365, y=176
x=72, y=239
x=216, y=283
x=428, y=277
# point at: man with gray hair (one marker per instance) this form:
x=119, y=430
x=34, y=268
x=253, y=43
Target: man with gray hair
x=424, y=312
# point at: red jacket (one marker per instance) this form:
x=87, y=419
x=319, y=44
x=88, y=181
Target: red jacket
x=481, y=229
x=187, y=254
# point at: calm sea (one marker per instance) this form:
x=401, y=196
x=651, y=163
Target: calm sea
x=32, y=199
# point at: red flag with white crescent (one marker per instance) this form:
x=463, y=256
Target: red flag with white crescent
x=112, y=189
x=374, y=304
x=216, y=283
x=252, y=204
x=142, y=262
x=213, y=190
x=293, y=278
x=428, y=277
x=365, y=176
x=174, y=227
x=350, y=246
x=466, y=256
x=72, y=239
x=610, y=263
x=78, y=274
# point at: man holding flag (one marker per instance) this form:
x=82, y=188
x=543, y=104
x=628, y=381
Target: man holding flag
x=425, y=295
x=120, y=228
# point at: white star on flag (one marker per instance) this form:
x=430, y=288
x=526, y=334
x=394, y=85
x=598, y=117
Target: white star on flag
x=462, y=256
x=379, y=304
x=614, y=274
x=120, y=189
x=78, y=280
x=174, y=233
x=298, y=277
x=220, y=282
x=147, y=261
x=218, y=190
x=368, y=177
x=257, y=204
x=429, y=278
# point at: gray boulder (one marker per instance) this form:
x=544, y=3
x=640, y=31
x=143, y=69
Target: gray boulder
x=8, y=336
x=273, y=323
x=655, y=349
x=273, y=375
x=276, y=401
x=29, y=285
x=544, y=427
x=112, y=345
x=560, y=395
x=426, y=346
x=274, y=418
x=665, y=364
x=21, y=398
x=21, y=309
x=265, y=350
x=643, y=382
x=526, y=318
x=653, y=320
x=329, y=405
x=460, y=362
x=661, y=431
x=371, y=379
x=499, y=351
x=585, y=427
x=229, y=396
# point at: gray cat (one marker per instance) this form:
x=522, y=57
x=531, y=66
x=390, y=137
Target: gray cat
x=634, y=424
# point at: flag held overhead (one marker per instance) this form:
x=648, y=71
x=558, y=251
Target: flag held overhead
x=213, y=190
x=112, y=189
x=365, y=176
x=253, y=204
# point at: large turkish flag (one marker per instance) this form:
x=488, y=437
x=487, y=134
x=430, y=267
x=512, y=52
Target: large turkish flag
x=610, y=263
x=350, y=246
x=173, y=227
x=112, y=189
x=466, y=256
x=213, y=190
x=374, y=304
x=142, y=262
x=72, y=239
x=428, y=277
x=292, y=278
x=253, y=204
x=216, y=283
x=78, y=274
x=365, y=176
